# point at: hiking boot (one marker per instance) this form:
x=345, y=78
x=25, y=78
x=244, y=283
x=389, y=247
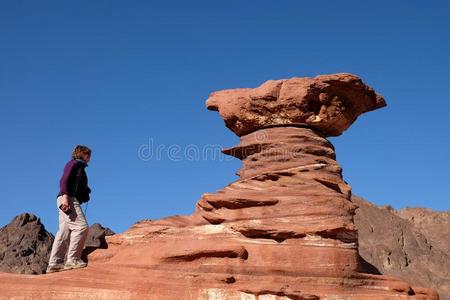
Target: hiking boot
x=76, y=264
x=54, y=268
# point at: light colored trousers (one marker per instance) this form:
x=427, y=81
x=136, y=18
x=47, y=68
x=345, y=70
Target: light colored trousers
x=72, y=233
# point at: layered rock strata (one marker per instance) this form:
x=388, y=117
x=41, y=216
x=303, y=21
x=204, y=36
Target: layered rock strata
x=283, y=230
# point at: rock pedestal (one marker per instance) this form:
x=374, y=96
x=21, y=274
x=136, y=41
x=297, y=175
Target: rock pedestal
x=283, y=230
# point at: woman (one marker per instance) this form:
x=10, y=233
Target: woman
x=73, y=228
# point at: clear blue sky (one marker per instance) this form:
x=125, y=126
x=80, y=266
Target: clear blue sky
x=115, y=74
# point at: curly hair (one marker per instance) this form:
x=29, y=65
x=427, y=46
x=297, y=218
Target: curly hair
x=79, y=150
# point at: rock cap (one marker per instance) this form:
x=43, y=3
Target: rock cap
x=329, y=103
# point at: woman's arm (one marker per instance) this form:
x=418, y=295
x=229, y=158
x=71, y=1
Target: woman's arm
x=65, y=178
x=64, y=183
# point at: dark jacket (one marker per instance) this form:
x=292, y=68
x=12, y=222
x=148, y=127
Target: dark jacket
x=74, y=181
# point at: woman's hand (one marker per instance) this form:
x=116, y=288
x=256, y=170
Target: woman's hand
x=64, y=202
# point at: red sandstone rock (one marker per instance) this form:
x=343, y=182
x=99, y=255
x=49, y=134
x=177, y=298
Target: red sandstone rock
x=330, y=103
x=284, y=230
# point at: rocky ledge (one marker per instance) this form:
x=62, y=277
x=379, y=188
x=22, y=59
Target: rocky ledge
x=25, y=244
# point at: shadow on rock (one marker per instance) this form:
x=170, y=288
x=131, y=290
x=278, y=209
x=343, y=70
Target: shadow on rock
x=366, y=267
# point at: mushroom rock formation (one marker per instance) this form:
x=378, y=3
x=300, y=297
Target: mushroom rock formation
x=283, y=230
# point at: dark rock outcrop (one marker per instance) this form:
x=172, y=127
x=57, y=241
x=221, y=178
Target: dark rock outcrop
x=96, y=239
x=25, y=245
x=412, y=243
x=96, y=236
